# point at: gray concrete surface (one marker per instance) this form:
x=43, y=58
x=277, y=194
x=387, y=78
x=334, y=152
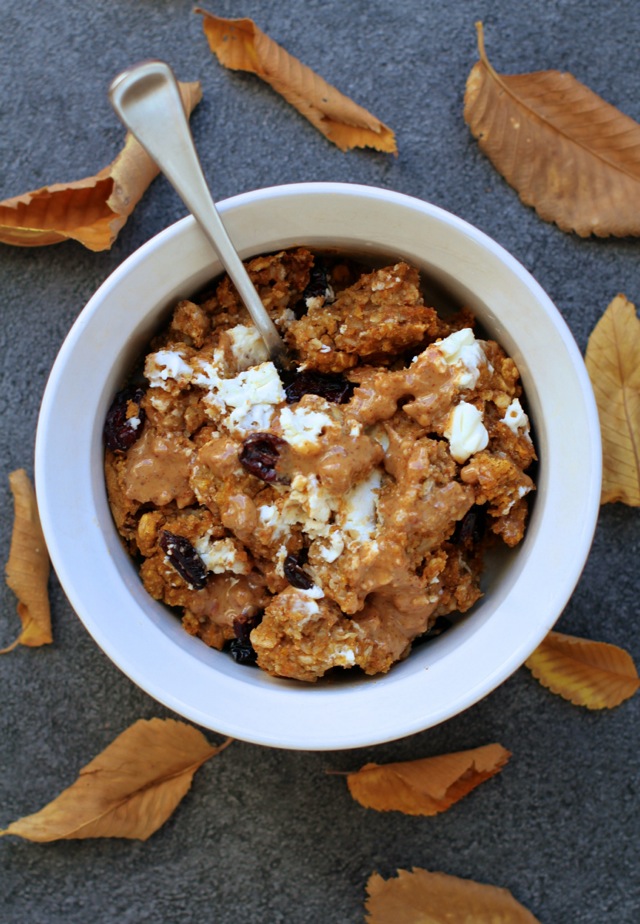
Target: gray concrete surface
x=266, y=835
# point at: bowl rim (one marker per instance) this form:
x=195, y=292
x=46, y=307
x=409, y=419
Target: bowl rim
x=190, y=676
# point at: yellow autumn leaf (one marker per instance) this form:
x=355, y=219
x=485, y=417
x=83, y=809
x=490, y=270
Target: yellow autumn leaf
x=27, y=570
x=92, y=210
x=422, y=897
x=592, y=674
x=572, y=156
x=240, y=45
x=428, y=785
x=613, y=363
x=129, y=790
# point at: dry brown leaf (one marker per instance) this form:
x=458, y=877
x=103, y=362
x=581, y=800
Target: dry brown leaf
x=240, y=45
x=613, y=362
x=568, y=153
x=27, y=570
x=92, y=210
x=422, y=897
x=129, y=790
x=427, y=786
x=592, y=674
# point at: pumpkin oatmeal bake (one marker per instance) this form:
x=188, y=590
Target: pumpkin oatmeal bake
x=329, y=517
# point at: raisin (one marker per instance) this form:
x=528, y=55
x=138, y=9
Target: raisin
x=317, y=287
x=240, y=647
x=328, y=385
x=471, y=528
x=184, y=558
x=260, y=454
x=294, y=572
x=121, y=428
x=242, y=652
x=243, y=626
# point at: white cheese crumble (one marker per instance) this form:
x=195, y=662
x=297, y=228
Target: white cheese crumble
x=309, y=504
x=247, y=346
x=465, y=431
x=462, y=349
x=515, y=417
x=302, y=427
x=330, y=548
x=357, y=516
x=252, y=395
x=167, y=364
x=220, y=555
x=256, y=417
x=304, y=602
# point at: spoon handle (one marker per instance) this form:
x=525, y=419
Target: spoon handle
x=147, y=99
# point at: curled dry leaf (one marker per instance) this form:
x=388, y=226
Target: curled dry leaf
x=419, y=896
x=613, y=363
x=27, y=570
x=129, y=790
x=92, y=210
x=240, y=45
x=426, y=786
x=568, y=153
x=592, y=674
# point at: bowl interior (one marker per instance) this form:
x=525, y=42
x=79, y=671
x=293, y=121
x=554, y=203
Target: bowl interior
x=526, y=589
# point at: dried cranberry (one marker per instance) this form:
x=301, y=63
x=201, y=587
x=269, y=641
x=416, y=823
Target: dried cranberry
x=120, y=429
x=294, y=572
x=260, y=455
x=328, y=385
x=184, y=558
x=317, y=286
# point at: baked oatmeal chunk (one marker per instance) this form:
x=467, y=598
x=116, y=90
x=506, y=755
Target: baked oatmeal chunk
x=377, y=318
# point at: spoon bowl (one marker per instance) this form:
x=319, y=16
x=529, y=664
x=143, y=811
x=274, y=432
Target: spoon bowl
x=147, y=99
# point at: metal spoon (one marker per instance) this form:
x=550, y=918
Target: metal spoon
x=147, y=99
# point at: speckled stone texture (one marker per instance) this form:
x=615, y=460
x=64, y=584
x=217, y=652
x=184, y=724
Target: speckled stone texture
x=266, y=835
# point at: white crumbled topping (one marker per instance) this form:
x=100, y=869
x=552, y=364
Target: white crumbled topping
x=247, y=346
x=462, y=349
x=465, y=431
x=515, y=418
x=304, y=603
x=309, y=504
x=330, y=548
x=207, y=375
x=313, y=593
x=220, y=555
x=269, y=515
x=133, y=422
x=345, y=654
x=256, y=417
x=167, y=364
x=312, y=506
x=251, y=394
x=260, y=385
x=357, y=516
x=301, y=427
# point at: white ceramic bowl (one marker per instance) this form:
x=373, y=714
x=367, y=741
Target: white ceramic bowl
x=525, y=594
